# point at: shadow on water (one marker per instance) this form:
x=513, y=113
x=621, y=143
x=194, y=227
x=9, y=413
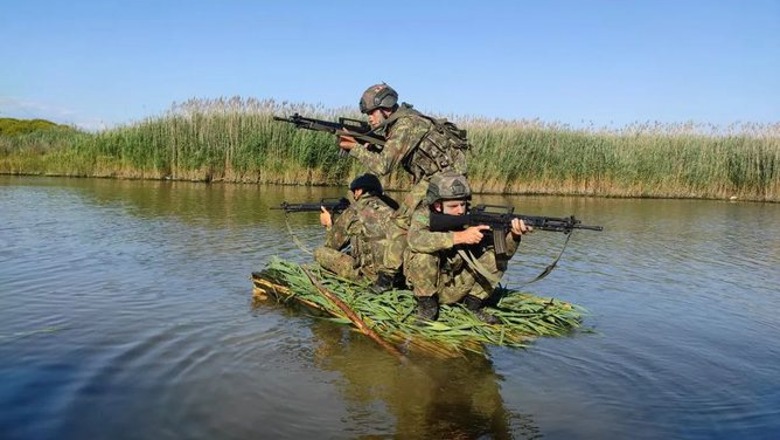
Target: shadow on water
x=456, y=398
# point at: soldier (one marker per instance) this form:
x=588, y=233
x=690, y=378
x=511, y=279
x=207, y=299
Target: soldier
x=422, y=145
x=448, y=267
x=366, y=225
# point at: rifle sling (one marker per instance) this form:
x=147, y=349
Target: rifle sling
x=294, y=237
x=493, y=280
x=552, y=265
x=468, y=257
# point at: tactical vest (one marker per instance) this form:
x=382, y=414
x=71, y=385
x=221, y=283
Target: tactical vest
x=442, y=148
x=376, y=231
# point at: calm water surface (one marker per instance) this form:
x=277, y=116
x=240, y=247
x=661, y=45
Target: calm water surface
x=125, y=312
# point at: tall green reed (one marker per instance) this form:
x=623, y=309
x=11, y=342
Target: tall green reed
x=237, y=140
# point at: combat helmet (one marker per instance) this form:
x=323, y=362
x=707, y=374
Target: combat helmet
x=369, y=183
x=447, y=185
x=378, y=96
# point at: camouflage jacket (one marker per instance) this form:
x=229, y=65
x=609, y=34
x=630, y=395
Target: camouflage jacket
x=368, y=227
x=424, y=241
x=414, y=142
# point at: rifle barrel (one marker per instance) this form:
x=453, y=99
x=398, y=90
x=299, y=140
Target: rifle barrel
x=345, y=126
x=334, y=205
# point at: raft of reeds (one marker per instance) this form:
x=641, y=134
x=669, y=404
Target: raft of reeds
x=389, y=317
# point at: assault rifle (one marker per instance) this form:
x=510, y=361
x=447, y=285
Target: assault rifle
x=356, y=128
x=499, y=218
x=333, y=205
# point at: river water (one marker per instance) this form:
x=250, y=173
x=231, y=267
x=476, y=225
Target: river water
x=125, y=313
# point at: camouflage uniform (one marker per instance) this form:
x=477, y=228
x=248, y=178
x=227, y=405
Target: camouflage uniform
x=414, y=142
x=432, y=264
x=367, y=226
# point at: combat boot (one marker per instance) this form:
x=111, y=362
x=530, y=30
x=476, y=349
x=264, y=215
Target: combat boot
x=427, y=308
x=477, y=307
x=383, y=283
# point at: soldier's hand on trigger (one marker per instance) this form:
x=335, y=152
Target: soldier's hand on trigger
x=472, y=235
x=325, y=218
x=519, y=228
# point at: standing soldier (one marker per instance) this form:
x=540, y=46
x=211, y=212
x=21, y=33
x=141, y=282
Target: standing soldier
x=366, y=226
x=449, y=267
x=421, y=145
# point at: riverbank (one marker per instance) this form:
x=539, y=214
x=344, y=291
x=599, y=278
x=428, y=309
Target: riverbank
x=237, y=140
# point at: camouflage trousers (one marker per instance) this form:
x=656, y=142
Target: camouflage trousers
x=410, y=202
x=389, y=252
x=427, y=275
x=343, y=265
x=395, y=253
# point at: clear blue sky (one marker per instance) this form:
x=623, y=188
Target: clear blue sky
x=101, y=63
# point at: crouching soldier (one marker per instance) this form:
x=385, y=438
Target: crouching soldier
x=367, y=227
x=456, y=266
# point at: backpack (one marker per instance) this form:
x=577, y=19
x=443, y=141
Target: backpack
x=442, y=148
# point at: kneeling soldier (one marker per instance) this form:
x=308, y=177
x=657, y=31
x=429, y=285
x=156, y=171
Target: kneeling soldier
x=449, y=267
x=367, y=227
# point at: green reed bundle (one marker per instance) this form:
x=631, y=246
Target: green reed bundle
x=391, y=314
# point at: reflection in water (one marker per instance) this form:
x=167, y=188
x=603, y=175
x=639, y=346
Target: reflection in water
x=213, y=204
x=428, y=398
x=194, y=202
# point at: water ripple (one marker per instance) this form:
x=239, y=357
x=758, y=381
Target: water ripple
x=131, y=300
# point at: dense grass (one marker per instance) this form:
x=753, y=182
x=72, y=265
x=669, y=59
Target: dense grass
x=237, y=140
x=638, y=161
x=12, y=126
